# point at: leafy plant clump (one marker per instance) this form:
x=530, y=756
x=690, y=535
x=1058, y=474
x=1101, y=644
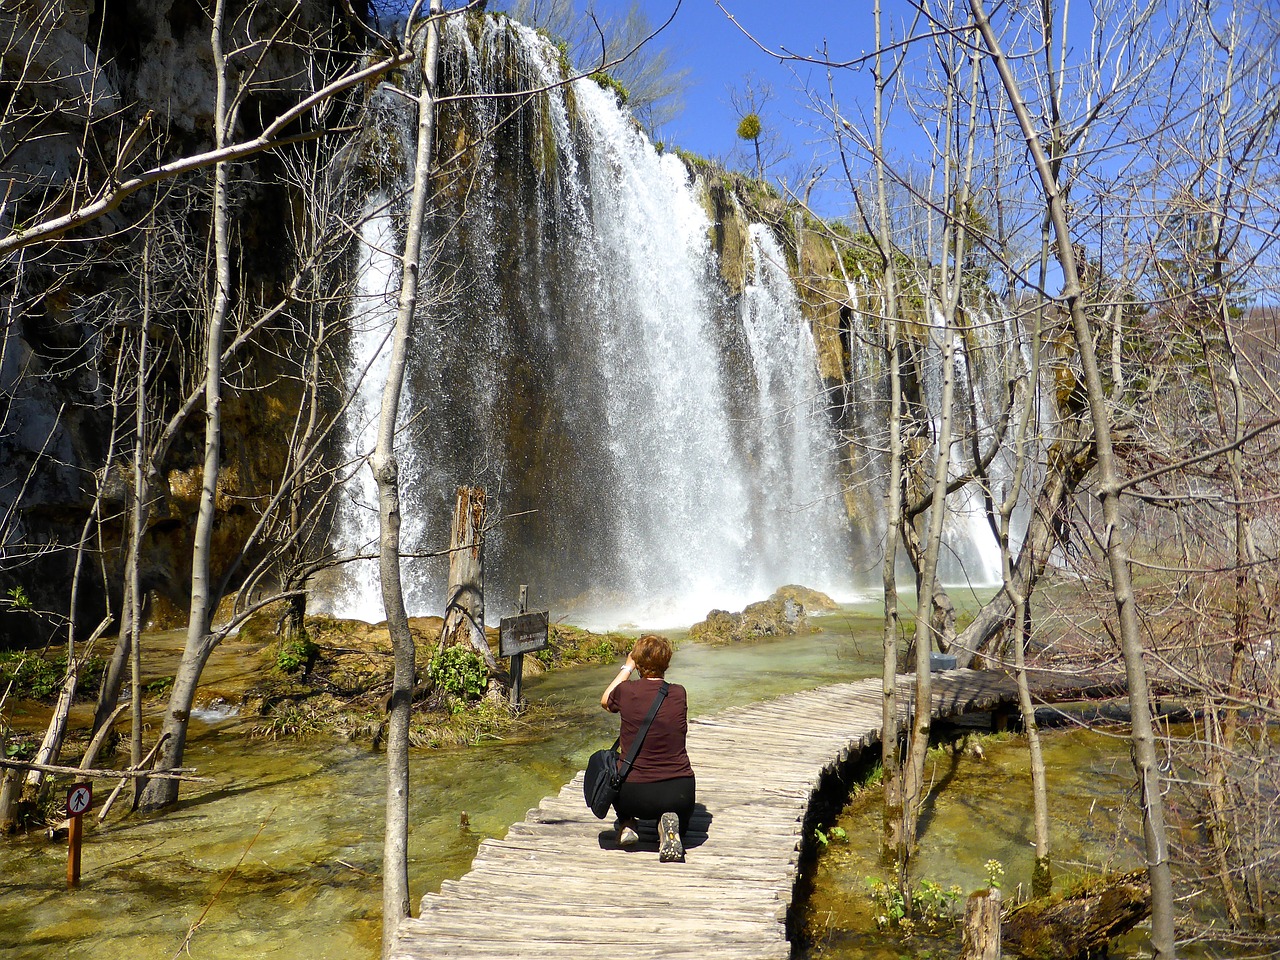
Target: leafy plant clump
x=932, y=908
x=159, y=687
x=607, y=81
x=829, y=835
x=459, y=671
x=296, y=654
x=35, y=677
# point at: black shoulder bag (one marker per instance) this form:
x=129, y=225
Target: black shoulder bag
x=605, y=771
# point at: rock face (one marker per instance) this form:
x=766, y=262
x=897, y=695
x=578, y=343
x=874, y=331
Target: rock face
x=84, y=86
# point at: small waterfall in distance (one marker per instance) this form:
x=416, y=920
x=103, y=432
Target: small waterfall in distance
x=653, y=447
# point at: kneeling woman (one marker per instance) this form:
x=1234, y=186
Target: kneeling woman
x=661, y=781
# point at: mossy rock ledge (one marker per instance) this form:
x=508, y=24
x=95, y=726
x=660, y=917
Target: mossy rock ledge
x=783, y=614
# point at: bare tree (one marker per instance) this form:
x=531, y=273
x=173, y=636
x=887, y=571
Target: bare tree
x=395, y=889
x=1146, y=762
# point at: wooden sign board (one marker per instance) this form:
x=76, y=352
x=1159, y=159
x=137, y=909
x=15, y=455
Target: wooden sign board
x=523, y=634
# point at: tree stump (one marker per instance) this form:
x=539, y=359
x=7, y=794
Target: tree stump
x=982, y=926
x=1082, y=923
x=464, y=612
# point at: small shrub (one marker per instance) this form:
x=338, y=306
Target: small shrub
x=296, y=654
x=459, y=671
x=39, y=678
x=932, y=907
x=158, y=687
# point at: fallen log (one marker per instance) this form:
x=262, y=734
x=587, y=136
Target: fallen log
x=1081, y=923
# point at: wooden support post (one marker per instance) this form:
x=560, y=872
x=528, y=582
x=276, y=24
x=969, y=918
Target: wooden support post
x=982, y=926
x=79, y=799
x=517, y=660
x=1003, y=717
x=75, y=835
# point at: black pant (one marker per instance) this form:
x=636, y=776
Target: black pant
x=649, y=801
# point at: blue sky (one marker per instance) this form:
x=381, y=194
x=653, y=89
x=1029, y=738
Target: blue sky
x=719, y=54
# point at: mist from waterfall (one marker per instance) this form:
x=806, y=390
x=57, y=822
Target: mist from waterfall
x=652, y=446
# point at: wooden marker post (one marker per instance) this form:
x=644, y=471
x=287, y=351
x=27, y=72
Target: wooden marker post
x=520, y=635
x=79, y=799
x=517, y=659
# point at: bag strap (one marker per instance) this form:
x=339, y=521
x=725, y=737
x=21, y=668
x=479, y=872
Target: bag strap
x=625, y=768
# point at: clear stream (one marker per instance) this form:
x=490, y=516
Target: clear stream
x=280, y=856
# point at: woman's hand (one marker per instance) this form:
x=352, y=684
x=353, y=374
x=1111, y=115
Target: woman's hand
x=623, y=675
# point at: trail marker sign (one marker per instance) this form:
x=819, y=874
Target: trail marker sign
x=79, y=800
x=525, y=633
x=521, y=634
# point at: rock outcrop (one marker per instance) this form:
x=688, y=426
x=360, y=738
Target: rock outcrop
x=783, y=614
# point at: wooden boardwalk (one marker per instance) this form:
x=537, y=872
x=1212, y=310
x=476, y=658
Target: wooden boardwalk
x=558, y=886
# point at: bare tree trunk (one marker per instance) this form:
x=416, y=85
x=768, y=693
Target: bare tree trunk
x=952, y=253
x=1042, y=870
x=200, y=643
x=133, y=602
x=395, y=857
x=1145, y=760
x=913, y=778
x=464, y=611
x=892, y=840
x=982, y=926
x=10, y=779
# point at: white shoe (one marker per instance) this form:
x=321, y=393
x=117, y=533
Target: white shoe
x=627, y=837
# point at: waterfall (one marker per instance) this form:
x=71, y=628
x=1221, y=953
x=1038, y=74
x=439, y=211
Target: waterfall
x=653, y=446
x=800, y=526
x=357, y=592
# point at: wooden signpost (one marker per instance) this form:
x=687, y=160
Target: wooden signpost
x=521, y=634
x=79, y=800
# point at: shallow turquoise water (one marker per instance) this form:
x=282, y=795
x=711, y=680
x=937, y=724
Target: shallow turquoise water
x=280, y=856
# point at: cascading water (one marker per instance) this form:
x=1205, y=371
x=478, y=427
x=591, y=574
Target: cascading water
x=795, y=453
x=970, y=554
x=653, y=447
x=371, y=319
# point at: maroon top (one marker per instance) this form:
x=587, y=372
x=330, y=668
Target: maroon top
x=663, y=755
